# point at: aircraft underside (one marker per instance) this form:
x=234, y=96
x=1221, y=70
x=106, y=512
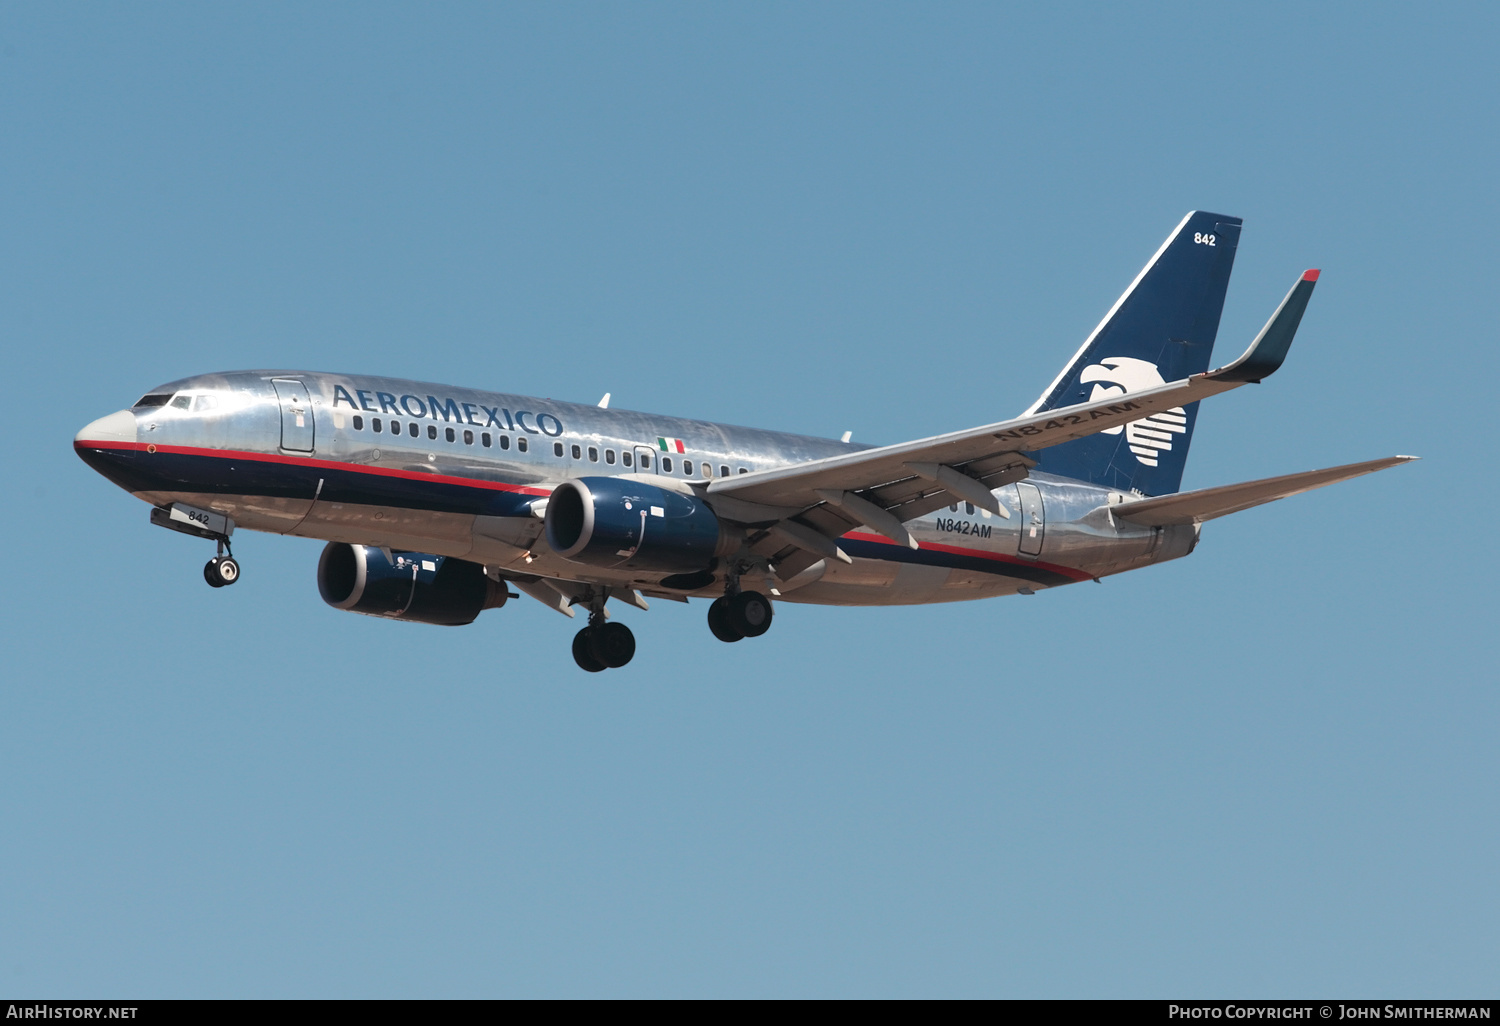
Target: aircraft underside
x=949, y=566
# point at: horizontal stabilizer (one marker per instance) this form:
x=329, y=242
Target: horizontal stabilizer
x=1208, y=503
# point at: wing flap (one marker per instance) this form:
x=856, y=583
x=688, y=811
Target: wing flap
x=995, y=453
x=1207, y=503
x=539, y=589
x=886, y=466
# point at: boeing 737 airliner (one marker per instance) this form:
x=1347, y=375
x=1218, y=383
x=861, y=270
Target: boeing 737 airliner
x=435, y=501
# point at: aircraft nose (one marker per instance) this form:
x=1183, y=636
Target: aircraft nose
x=117, y=427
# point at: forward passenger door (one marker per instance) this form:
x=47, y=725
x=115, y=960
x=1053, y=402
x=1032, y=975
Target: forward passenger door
x=296, y=414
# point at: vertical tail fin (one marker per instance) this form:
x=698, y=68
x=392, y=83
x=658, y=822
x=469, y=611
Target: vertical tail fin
x=1162, y=329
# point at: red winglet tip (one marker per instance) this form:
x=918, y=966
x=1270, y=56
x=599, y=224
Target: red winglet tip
x=1311, y=275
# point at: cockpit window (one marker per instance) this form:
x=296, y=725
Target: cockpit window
x=204, y=403
x=182, y=402
x=153, y=399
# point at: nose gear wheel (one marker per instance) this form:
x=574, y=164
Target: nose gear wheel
x=221, y=571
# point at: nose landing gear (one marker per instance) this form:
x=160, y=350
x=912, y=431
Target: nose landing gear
x=223, y=569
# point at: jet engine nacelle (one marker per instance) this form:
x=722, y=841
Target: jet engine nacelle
x=628, y=524
x=405, y=585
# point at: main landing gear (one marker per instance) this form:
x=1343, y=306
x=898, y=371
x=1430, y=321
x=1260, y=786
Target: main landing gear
x=602, y=645
x=740, y=614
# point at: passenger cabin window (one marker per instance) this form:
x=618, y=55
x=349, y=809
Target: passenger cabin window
x=432, y=431
x=505, y=441
x=204, y=403
x=625, y=458
x=609, y=456
x=723, y=470
x=375, y=424
x=182, y=402
x=557, y=449
x=593, y=455
x=744, y=471
x=414, y=429
x=448, y=434
x=395, y=427
x=687, y=467
x=953, y=508
x=666, y=464
x=520, y=445
x=645, y=461
x=468, y=437
x=484, y=439
x=969, y=508
x=154, y=399
x=577, y=453
x=359, y=422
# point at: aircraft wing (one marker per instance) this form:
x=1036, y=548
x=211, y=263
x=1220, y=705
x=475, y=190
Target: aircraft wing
x=1207, y=503
x=882, y=487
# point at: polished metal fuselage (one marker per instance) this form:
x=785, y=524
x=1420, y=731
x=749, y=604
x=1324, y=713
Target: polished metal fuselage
x=459, y=472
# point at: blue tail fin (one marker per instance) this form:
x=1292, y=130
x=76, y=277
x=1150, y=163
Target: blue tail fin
x=1162, y=329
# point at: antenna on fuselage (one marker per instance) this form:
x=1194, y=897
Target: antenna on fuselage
x=846, y=436
x=604, y=403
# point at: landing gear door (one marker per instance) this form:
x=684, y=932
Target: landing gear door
x=645, y=460
x=1033, y=521
x=296, y=414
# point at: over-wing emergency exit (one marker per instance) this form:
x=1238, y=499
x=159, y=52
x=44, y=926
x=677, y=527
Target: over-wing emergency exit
x=436, y=501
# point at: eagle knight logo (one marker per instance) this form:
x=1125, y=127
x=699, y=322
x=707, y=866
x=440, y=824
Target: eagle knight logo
x=1150, y=436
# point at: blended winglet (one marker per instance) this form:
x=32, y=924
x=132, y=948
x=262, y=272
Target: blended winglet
x=1268, y=352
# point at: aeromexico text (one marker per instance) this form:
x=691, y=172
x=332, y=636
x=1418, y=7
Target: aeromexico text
x=449, y=410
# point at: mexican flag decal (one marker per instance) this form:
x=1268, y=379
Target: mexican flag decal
x=670, y=445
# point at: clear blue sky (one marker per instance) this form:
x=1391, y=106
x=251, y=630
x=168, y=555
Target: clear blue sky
x=1268, y=769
